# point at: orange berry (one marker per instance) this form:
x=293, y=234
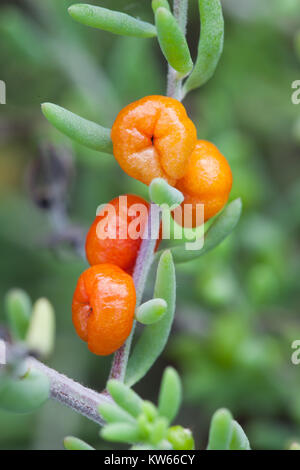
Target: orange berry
x=153, y=137
x=207, y=181
x=119, y=247
x=103, y=308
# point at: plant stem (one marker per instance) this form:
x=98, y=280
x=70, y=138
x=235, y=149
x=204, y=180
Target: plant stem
x=174, y=87
x=146, y=253
x=72, y=394
x=141, y=271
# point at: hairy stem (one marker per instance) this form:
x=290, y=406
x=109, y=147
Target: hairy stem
x=146, y=253
x=72, y=394
x=174, y=86
x=141, y=271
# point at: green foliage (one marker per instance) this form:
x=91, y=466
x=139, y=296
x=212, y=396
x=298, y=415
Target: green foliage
x=154, y=337
x=226, y=434
x=40, y=336
x=18, y=311
x=147, y=426
x=220, y=431
x=115, y=414
x=112, y=21
x=180, y=438
x=135, y=421
x=151, y=312
x=210, y=45
x=239, y=440
x=81, y=130
x=73, y=443
x=162, y=193
x=169, y=399
x=125, y=397
x=24, y=394
x=122, y=432
x=222, y=226
x=160, y=3
x=172, y=41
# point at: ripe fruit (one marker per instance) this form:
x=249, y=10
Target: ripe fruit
x=207, y=181
x=103, y=308
x=153, y=137
x=119, y=247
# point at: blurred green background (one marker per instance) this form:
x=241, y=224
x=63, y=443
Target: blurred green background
x=238, y=307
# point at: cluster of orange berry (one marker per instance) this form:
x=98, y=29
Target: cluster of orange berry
x=152, y=138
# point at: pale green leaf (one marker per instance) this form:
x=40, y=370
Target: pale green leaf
x=112, y=21
x=81, y=130
x=210, y=45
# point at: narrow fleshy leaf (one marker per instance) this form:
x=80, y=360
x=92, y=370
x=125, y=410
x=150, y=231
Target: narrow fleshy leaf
x=170, y=394
x=220, y=433
x=125, y=397
x=41, y=332
x=163, y=194
x=210, y=45
x=149, y=410
x=172, y=41
x=159, y=430
x=151, y=312
x=160, y=3
x=113, y=413
x=217, y=232
x=73, y=443
x=81, y=130
x=121, y=432
x=18, y=310
x=153, y=339
x=239, y=440
x=26, y=394
x=112, y=21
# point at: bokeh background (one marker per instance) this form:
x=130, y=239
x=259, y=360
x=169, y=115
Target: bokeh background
x=238, y=307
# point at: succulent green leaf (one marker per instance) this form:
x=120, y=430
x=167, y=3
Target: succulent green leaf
x=149, y=410
x=221, y=428
x=163, y=194
x=151, y=312
x=154, y=337
x=81, y=130
x=145, y=426
x=210, y=45
x=239, y=440
x=160, y=3
x=73, y=443
x=112, y=21
x=121, y=432
x=170, y=394
x=181, y=438
x=26, y=394
x=41, y=332
x=217, y=232
x=159, y=430
x=172, y=41
x=125, y=397
x=113, y=413
x=18, y=309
